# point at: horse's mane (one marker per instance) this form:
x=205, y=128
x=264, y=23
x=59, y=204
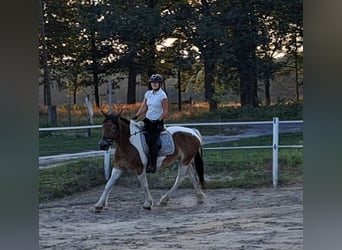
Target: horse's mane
x=125, y=120
x=114, y=118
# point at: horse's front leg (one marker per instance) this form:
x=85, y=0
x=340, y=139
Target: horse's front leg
x=144, y=185
x=116, y=173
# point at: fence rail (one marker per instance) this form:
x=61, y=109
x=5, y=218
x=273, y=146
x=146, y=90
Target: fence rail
x=275, y=146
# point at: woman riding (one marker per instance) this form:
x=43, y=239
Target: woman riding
x=155, y=106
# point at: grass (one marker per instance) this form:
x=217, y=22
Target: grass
x=223, y=169
x=244, y=168
x=70, y=178
x=72, y=141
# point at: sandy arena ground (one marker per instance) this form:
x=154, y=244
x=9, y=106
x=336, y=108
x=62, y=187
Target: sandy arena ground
x=262, y=218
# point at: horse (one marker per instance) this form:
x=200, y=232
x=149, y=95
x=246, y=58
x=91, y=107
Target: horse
x=129, y=154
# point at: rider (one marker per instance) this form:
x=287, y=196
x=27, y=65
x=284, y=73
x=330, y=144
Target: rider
x=155, y=105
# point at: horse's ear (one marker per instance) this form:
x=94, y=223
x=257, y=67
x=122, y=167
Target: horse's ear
x=120, y=112
x=105, y=114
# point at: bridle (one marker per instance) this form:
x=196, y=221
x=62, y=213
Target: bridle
x=113, y=129
x=108, y=140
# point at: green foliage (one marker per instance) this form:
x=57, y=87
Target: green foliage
x=285, y=111
x=233, y=40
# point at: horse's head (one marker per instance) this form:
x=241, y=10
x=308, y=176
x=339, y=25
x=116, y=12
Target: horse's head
x=110, y=130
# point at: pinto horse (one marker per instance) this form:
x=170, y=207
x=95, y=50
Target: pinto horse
x=129, y=154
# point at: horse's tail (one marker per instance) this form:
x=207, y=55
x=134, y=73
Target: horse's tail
x=199, y=165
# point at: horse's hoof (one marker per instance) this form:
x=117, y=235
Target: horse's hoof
x=200, y=201
x=162, y=203
x=200, y=197
x=98, y=209
x=147, y=208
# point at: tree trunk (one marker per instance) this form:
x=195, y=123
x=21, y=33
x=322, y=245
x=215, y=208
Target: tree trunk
x=296, y=75
x=131, y=88
x=46, y=76
x=267, y=91
x=74, y=95
x=96, y=89
x=248, y=88
x=95, y=70
x=209, y=88
x=151, y=69
x=244, y=32
x=179, y=90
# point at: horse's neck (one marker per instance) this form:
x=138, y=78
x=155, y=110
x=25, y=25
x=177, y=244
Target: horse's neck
x=129, y=145
x=124, y=135
x=136, y=129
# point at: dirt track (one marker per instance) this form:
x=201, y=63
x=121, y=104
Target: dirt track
x=263, y=218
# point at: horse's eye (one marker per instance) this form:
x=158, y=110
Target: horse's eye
x=114, y=127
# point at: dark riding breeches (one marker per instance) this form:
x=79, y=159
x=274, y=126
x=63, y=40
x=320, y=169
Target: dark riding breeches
x=153, y=129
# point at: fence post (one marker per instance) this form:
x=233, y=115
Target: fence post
x=275, y=151
x=90, y=114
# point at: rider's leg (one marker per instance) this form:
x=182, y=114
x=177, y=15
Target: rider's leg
x=153, y=148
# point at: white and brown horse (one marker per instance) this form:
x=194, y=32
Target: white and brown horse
x=129, y=154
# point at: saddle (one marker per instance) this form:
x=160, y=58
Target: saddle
x=167, y=144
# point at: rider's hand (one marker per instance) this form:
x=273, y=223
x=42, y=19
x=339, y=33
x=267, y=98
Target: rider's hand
x=160, y=125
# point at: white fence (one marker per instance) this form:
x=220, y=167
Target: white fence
x=275, y=146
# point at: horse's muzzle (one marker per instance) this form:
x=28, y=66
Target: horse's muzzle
x=105, y=143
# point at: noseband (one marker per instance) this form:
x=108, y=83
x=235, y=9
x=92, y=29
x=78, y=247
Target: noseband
x=108, y=140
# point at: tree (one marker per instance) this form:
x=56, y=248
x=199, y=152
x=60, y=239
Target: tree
x=234, y=41
x=295, y=41
x=244, y=32
x=204, y=30
x=60, y=46
x=281, y=27
x=44, y=56
x=139, y=27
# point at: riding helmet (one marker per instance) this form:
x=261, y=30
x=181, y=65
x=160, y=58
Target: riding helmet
x=156, y=78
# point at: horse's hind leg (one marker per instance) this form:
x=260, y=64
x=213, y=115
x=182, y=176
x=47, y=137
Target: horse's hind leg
x=116, y=173
x=144, y=185
x=193, y=178
x=180, y=177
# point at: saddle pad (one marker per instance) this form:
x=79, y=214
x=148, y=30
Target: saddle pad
x=168, y=146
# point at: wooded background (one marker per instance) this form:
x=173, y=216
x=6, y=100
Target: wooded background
x=218, y=47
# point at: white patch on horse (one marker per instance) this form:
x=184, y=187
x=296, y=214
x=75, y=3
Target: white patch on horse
x=160, y=160
x=116, y=173
x=193, y=131
x=135, y=139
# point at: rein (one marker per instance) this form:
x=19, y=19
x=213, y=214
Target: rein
x=137, y=132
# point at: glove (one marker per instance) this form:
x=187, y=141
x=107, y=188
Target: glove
x=134, y=117
x=160, y=125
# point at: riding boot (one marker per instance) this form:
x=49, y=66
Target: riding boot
x=152, y=168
